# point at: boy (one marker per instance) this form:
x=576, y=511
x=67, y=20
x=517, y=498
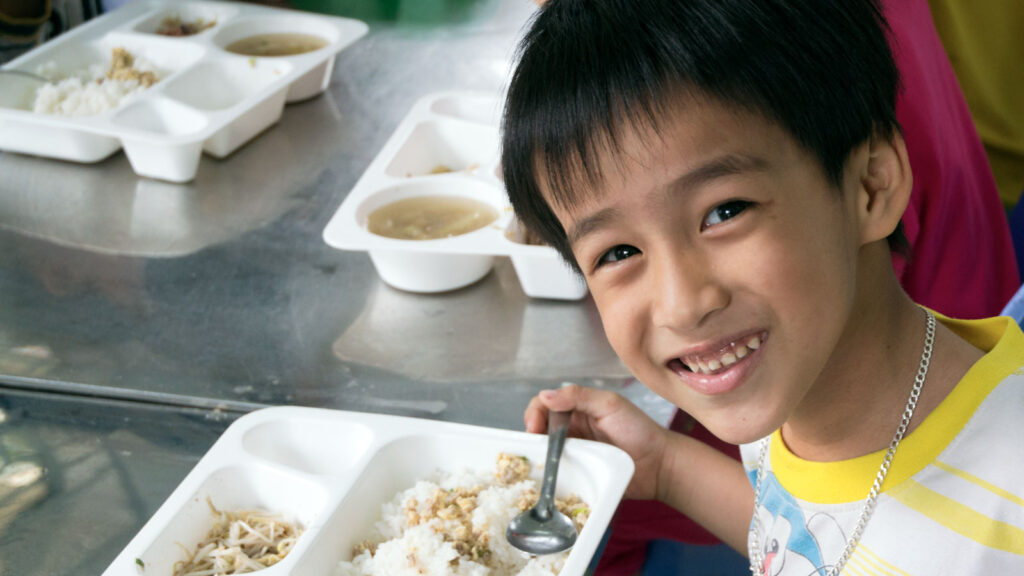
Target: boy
x=729, y=177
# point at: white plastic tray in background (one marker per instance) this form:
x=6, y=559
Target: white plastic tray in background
x=208, y=100
x=332, y=470
x=458, y=130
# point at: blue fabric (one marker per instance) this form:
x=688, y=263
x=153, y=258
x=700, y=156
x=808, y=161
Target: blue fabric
x=592, y=567
x=1015, y=307
x=671, y=558
x=1017, y=233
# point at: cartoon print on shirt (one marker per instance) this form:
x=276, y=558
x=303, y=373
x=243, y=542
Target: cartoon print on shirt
x=791, y=543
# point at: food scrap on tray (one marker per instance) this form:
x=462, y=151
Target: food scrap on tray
x=240, y=542
x=454, y=523
x=96, y=90
x=174, y=26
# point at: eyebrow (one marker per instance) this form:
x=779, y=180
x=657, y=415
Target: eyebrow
x=713, y=169
x=719, y=167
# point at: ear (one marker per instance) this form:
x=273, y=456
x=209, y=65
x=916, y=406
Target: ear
x=885, y=185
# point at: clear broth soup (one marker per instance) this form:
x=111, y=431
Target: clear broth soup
x=430, y=217
x=276, y=44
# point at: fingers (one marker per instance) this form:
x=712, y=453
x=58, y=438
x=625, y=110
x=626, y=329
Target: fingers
x=590, y=401
x=584, y=401
x=536, y=416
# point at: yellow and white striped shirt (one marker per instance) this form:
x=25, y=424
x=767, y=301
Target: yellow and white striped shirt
x=953, y=501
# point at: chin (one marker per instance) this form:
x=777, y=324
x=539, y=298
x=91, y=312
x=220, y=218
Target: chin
x=730, y=430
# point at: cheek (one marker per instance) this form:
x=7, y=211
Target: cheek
x=806, y=255
x=623, y=321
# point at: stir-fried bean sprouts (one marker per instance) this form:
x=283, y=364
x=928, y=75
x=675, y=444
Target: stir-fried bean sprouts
x=240, y=542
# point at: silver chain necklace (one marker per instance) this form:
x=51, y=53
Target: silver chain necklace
x=754, y=543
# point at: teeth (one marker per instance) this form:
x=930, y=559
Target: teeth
x=728, y=358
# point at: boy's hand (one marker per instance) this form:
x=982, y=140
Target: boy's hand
x=607, y=417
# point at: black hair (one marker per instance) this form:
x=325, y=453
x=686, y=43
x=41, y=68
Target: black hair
x=587, y=69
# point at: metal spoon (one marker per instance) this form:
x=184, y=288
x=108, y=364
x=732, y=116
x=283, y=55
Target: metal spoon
x=543, y=529
x=18, y=88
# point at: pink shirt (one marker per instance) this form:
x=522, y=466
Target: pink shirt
x=963, y=264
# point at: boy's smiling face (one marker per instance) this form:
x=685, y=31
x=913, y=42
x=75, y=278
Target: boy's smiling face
x=723, y=263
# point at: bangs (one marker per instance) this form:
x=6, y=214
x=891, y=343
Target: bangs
x=591, y=74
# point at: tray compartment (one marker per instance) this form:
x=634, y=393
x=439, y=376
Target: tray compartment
x=59, y=142
x=424, y=265
x=286, y=443
x=164, y=54
x=456, y=131
x=543, y=274
x=169, y=55
x=541, y=270
x=483, y=110
x=256, y=119
x=310, y=83
x=221, y=85
x=189, y=12
x=434, y=145
x=175, y=161
x=87, y=60
x=400, y=464
x=232, y=488
x=161, y=116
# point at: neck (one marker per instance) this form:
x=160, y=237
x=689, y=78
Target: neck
x=857, y=401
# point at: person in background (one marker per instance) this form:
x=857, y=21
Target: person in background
x=962, y=260
x=25, y=24
x=21, y=26
x=985, y=44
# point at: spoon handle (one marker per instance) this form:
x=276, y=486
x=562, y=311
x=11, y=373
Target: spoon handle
x=25, y=74
x=558, y=427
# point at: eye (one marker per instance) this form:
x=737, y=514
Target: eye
x=617, y=254
x=723, y=212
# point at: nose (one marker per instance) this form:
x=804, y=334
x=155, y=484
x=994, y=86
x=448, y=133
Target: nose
x=687, y=290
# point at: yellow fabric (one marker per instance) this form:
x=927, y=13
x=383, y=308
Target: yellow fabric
x=985, y=44
x=848, y=480
x=960, y=518
x=867, y=562
x=980, y=482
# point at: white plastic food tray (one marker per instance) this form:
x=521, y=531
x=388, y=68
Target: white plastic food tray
x=331, y=470
x=208, y=99
x=459, y=131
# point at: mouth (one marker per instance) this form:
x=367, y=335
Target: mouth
x=719, y=359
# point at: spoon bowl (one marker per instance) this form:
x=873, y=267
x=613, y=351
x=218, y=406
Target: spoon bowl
x=543, y=529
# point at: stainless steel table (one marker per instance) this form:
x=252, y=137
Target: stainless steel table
x=79, y=477
x=155, y=305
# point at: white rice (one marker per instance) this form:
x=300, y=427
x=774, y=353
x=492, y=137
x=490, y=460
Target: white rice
x=86, y=92
x=422, y=550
